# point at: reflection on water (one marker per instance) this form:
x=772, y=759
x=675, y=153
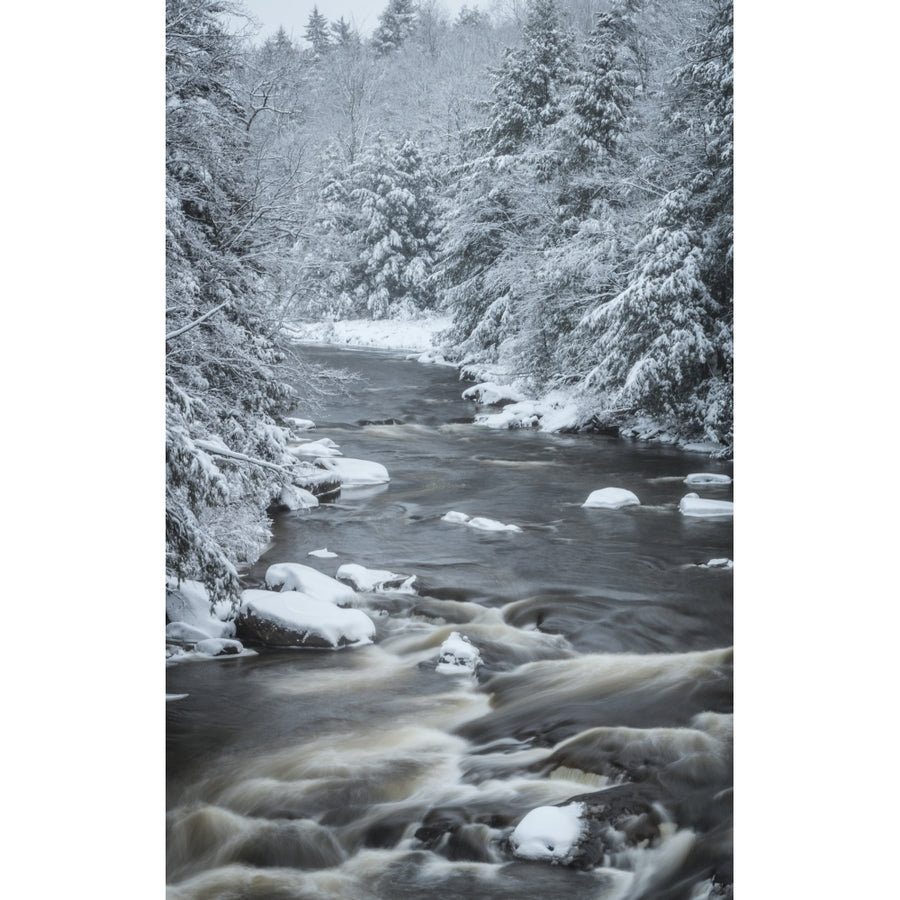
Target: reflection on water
x=606, y=675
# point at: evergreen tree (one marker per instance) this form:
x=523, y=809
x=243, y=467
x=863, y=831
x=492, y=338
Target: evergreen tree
x=396, y=23
x=397, y=204
x=526, y=86
x=317, y=32
x=224, y=452
x=343, y=33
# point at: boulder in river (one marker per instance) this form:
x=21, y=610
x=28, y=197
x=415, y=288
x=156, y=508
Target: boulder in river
x=355, y=472
x=611, y=498
x=294, y=619
x=694, y=505
x=707, y=478
x=306, y=579
x=187, y=602
x=364, y=579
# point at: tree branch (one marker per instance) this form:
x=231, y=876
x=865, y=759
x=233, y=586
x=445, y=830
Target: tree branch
x=180, y=331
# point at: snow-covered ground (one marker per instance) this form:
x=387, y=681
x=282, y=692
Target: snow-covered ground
x=377, y=334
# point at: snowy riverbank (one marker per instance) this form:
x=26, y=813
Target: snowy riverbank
x=500, y=399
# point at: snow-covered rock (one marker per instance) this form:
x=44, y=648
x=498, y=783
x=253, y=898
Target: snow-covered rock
x=182, y=633
x=693, y=505
x=307, y=580
x=720, y=563
x=432, y=358
x=526, y=414
x=459, y=656
x=324, y=553
x=364, y=579
x=294, y=497
x=219, y=647
x=314, y=449
x=188, y=603
x=479, y=522
x=294, y=619
x=300, y=424
x=353, y=472
x=701, y=478
x=549, y=832
x=611, y=498
x=488, y=393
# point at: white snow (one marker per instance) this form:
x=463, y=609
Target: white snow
x=294, y=497
x=185, y=633
x=526, y=414
x=188, y=602
x=432, y=358
x=611, y=498
x=300, y=424
x=303, y=613
x=307, y=580
x=354, y=472
x=322, y=447
x=324, y=553
x=488, y=393
x=219, y=647
x=384, y=334
x=720, y=563
x=364, y=579
x=699, y=478
x=549, y=832
x=693, y=505
x=170, y=697
x=459, y=656
x=479, y=522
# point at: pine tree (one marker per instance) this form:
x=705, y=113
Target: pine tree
x=224, y=451
x=317, y=32
x=397, y=204
x=343, y=33
x=527, y=84
x=396, y=23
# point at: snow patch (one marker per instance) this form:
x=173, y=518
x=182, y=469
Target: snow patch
x=355, y=472
x=364, y=579
x=323, y=447
x=611, y=498
x=488, y=393
x=188, y=603
x=721, y=563
x=307, y=580
x=324, y=553
x=549, y=832
x=693, y=505
x=479, y=522
x=700, y=478
x=294, y=497
x=382, y=334
x=300, y=424
x=459, y=656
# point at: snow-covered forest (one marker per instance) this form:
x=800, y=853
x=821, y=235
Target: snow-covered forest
x=555, y=176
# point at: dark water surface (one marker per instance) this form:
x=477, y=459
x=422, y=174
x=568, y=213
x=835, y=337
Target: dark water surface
x=606, y=672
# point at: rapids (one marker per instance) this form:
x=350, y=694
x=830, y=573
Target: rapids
x=606, y=675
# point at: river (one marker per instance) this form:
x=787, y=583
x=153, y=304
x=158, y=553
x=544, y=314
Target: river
x=606, y=675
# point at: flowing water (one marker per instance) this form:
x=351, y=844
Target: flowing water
x=606, y=676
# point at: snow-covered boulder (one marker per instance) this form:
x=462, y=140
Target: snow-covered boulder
x=188, y=603
x=550, y=832
x=299, y=424
x=720, y=563
x=693, y=505
x=525, y=414
x=490, y=394
x=294, y=619
x=313, y=449
x=219, y=647
x=355, y=472
x=182, y=633
x=364, y=579
x=701, y=478
x=479, y=522
x=307, y=580
x=324, y=553
x=432, y=358
x=459, y=656
x=611, y=498
x=294, y=497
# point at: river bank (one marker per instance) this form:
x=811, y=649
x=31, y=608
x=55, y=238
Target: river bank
x=502, y=401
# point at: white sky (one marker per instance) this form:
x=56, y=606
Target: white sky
x=362, y=14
